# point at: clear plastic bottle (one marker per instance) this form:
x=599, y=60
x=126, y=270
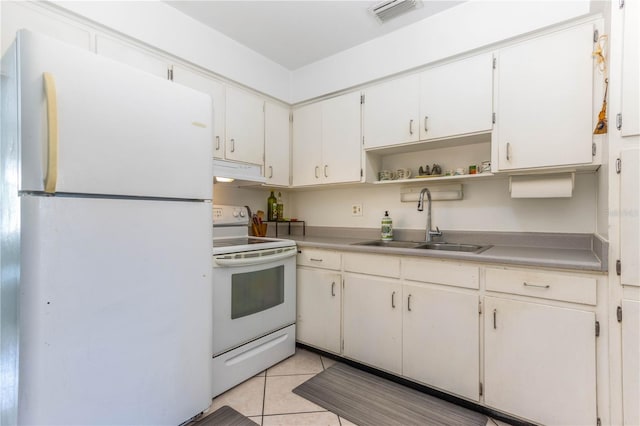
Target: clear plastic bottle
x=280, y=207
x=386, y=233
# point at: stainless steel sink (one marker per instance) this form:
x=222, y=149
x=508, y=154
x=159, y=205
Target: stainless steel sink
x=394, y=244
x=468, y=248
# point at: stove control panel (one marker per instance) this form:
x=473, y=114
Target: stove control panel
x=230, y=215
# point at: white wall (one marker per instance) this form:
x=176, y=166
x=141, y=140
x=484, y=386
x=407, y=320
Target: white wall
x=486, y=206
x=471, y=25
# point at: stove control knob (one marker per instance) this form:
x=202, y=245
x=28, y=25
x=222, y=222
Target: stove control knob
x=242, y=213
x=235, y=213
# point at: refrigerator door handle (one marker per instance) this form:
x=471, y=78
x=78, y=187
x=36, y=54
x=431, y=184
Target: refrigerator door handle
x=51, y=177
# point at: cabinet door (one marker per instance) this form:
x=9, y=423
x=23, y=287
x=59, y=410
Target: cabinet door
x=440, y=339
x=341, y=148
x=24, y=15
x=631, y=361
x=629, y=222
x=213, y=88
x=391, y=112
x=631, y=70
x=544, y=101
x=540, y=362
x=131, y=55
x=245, y=127
x=307, y=145
x=373, y=322
x=276, y=144
x=457, y=98
x=319, y=295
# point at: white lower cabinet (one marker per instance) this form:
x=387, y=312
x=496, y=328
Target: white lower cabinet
x=440, y=339
x=540, y=361
x=631, y=361
x=319, y=296
x=518, y=340
x=373, y=321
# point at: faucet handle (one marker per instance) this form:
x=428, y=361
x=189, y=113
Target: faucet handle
x=436, y=233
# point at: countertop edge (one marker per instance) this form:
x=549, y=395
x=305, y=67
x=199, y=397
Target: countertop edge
x=594, y=264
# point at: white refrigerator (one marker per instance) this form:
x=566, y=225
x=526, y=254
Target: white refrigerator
x=106, y=227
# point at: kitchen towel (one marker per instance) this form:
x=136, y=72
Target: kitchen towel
x=369, y=400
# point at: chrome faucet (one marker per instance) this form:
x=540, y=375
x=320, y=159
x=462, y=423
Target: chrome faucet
x=430, y=233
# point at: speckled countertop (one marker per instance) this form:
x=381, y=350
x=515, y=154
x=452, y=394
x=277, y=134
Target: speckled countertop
x=583, y=252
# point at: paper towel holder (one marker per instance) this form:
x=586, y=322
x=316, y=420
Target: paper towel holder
x=549, y=185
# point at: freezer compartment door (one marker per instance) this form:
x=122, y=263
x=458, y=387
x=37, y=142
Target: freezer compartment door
x=120, y=131
x=115, y=311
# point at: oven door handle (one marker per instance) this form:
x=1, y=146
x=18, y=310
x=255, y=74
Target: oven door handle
x=248, y=261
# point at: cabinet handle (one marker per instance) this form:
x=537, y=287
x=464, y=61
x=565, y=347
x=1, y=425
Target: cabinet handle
x=333, y=288
x=233, y=145
x=526, y=284
x=270, y=172
x=426, y=128
x=409, y=303
x=325, y=171
x=393, y=300
x=411, y=126
x=316, y=172
x=217, y=143
x=508, y=151
x=315, y=260
x=495, y=311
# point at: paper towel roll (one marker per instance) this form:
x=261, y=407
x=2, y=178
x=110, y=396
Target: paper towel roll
x=542, y=186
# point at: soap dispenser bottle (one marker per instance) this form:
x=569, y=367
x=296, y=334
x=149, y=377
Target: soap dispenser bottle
x=386, y=233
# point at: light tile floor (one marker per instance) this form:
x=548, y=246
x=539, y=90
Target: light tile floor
x=268, y=400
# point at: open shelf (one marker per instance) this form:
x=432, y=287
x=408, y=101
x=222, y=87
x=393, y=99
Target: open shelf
x=426, y=179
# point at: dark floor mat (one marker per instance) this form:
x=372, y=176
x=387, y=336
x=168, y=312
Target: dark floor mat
x=369, y=400
x=225, y=416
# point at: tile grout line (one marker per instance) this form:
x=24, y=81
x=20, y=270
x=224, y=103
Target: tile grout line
x=264, y=397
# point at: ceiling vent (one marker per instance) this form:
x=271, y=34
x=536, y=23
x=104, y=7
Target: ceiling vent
x=391, y=8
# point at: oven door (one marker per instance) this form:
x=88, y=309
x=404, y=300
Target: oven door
x=254, y=294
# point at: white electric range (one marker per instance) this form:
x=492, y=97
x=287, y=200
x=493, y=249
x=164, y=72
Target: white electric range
x=254, y=305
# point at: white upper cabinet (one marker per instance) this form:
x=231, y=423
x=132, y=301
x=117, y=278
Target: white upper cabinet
x=245, y=127
x=276, y=144
x=216, y=90
x=544, y=101
x=391, y=112
x=457, y=98
x=631, y=70
x=629, y=223
x=24, y=15
x=307, y=144
x=341, y=149
x=131, y=55
x=449, y=100
x=326, y=141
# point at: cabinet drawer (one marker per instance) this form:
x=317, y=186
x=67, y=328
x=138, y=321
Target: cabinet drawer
x=447, y=273
x=544, y=285
x=319, y=258
x=372, y=264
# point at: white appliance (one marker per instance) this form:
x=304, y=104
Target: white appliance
x=109, y=176
x=254, y=299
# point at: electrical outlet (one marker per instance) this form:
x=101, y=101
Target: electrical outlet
x=356, y=210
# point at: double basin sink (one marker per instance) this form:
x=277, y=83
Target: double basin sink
x=466, y=248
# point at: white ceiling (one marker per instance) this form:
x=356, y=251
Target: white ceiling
x=295, y=33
